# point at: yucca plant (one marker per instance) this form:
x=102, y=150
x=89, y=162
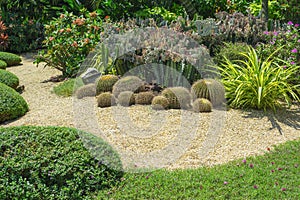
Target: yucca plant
x=259, y=84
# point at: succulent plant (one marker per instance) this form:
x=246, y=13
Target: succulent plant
x=210, y=89
x=106, y=99
x=128, y=83
x=86, y=91
x=178, y=97
x=126, y=98
x=202, y=105
x=159, y=103
x=144, y=98
x=106, y=83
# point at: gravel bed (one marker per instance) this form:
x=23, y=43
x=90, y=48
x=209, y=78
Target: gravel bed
x=154, y=139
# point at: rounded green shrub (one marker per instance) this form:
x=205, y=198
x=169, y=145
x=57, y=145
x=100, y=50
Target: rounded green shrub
x=126, y=98
x=231, y=51
x=159, y=103
x=10, y=58
x=12, y=104
x=106, y=99
x=55, y=163
x=210, y=89
x=178, y=97
x=9, y=79
x=3, y=64
x=202, y=105
x=128, y=83
x=144, y=98
x=88, y=90
x=106, y=83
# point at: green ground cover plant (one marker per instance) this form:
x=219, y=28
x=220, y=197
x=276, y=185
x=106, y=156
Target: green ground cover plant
x=53, y=163
x=67, y=88
x=274, y=175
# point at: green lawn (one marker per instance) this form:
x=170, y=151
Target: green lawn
x=275, y=175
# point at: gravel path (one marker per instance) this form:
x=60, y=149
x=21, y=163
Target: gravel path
x=148, y=138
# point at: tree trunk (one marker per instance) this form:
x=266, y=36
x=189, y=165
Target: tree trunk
x=264, y=13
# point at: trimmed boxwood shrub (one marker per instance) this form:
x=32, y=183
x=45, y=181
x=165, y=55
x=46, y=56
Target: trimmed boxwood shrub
x=10, y=58
x=9, y=79
x=3, y=64
x=12, y=104
x=53, y=163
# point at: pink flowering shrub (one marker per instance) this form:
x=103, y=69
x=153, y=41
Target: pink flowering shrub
x=68, y=40
x=290, y=39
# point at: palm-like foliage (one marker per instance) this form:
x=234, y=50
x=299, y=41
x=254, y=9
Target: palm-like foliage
x=259, y=84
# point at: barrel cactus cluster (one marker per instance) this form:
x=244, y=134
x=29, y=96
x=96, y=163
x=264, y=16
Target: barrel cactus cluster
x=111, y=90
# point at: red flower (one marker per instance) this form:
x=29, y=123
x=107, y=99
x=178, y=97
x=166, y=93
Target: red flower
x=74, y=44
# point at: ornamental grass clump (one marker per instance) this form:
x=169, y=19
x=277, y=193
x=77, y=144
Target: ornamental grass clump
x=258, y=83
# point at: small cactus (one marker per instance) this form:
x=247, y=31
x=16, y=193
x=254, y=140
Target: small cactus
x=202, y=105
x=126, y=98
x=178, y=97
x=86, y=91
x=159, y=103
x=106, y=83
x=128, y=83
x=210, y=89
x=106, y=99
x=144, y=98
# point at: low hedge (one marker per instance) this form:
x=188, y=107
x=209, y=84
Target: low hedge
x=10, y=58
x=53, y=163
x=9, y=79
x=3, y=64
x=12, y=104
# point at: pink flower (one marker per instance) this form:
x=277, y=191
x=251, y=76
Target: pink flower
x=294, y=50
x=279, y=169
x=255, y=186
x=251, y=165
x=272, y=170
x=283, y=189
x=290, y=23
x=266, y=32
x=292, y=63
x=297, y=25
x=51, y=39
x=284, y=67
x=244, y=161
x=225, y=182
x=298, y=40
